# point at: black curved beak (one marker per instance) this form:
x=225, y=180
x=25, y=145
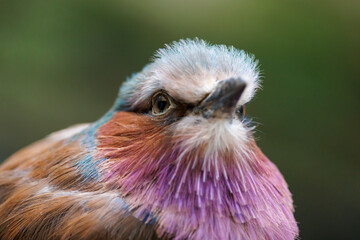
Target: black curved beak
x=221, y=103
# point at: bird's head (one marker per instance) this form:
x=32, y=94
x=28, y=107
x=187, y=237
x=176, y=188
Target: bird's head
x=198, y=92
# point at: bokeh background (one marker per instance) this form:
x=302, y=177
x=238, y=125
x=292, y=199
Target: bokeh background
x=62, y=62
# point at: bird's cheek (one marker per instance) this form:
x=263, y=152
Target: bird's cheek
x=127, y=134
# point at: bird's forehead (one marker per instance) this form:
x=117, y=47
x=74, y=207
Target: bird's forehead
x=185, y=87
x=190, y=69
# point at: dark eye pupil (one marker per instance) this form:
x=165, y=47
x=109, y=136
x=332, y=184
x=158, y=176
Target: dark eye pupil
x=161, y=105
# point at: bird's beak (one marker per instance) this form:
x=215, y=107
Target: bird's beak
x=221, y=103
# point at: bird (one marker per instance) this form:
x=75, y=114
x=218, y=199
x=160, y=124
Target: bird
x=175, y=157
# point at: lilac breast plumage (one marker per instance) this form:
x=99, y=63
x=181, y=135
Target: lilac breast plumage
x=246, y=199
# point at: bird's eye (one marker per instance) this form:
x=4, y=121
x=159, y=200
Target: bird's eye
x=161, y=103
x=241, y=111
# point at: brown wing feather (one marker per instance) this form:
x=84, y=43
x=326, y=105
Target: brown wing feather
x=42, y=196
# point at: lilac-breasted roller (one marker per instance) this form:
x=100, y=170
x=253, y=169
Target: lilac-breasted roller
x=174, y=158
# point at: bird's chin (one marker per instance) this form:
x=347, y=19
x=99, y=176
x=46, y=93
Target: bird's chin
x=213, y=136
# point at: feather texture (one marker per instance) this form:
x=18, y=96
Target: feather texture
x=136, y=175
x=44, y=196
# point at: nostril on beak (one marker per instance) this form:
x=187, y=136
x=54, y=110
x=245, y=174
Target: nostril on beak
x=222, y=101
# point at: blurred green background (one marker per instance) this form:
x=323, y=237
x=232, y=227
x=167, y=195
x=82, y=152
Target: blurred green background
x=61, y=62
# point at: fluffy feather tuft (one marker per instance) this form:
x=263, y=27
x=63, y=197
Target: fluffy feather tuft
x=189, y=70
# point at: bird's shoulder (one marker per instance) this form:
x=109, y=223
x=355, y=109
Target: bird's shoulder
x=45, y=195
